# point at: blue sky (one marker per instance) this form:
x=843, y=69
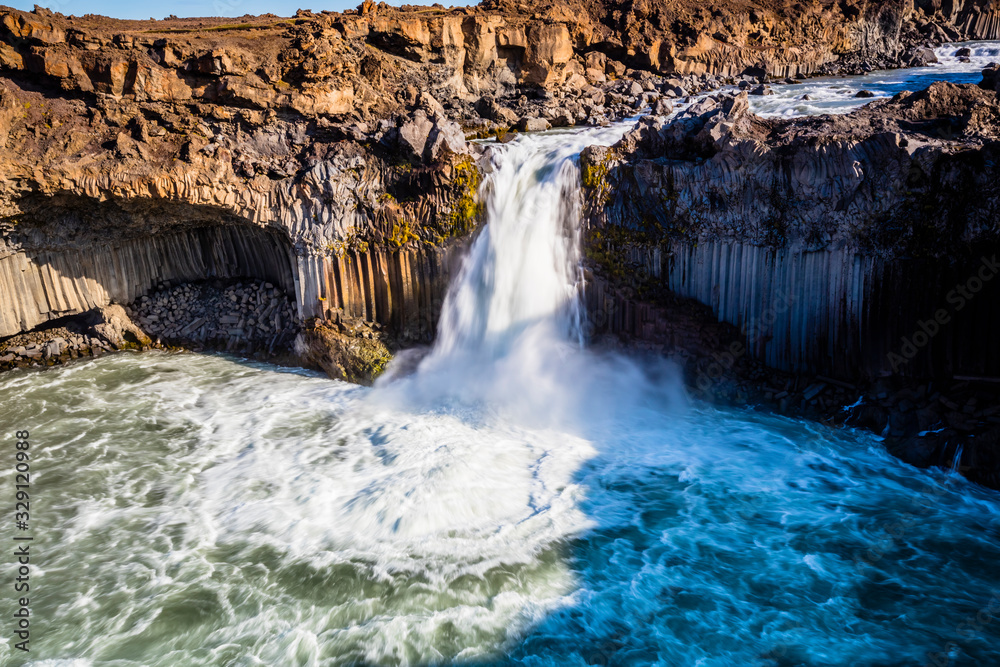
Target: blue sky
x=133, y=9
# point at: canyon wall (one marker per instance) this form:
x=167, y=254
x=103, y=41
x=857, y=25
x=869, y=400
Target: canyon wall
x=369, y=63
x=106, y=199
x=402, y=290
x=38, y=287
x=855, y=246
x=337, y=141
x=975, y=19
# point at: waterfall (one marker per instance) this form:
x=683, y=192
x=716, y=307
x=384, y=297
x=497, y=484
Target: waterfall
x=524, y=269
x=510, y=337
x=956, y=462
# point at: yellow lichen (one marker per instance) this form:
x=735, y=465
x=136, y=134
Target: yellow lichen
x=466, y=209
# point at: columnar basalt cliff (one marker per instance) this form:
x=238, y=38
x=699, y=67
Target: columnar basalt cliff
x=326, y=153
x=841, y=267
x=103, y=198
x=830, y=241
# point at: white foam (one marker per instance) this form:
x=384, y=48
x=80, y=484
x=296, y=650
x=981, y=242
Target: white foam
x=837, y=95
x=516, y=499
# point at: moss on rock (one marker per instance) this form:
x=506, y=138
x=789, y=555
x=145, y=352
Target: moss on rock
x=352, y=354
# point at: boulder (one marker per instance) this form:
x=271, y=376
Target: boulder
x=991, y=77
x=413, y=135
x=490, y=109
x=562, y=118
x=527, y=124
x=446, y=138
x=614, y=69
x=343, y=356
x=663, y=107
x=430, y=105
x=920, y=57
x=113, y=325
x=596, y=60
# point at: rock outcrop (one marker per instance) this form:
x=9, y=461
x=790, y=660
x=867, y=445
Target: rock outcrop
x=856, y=246
x=346, y=350
x=370, y=63
x=121, y=172
x=99, y=331
x=101, y=201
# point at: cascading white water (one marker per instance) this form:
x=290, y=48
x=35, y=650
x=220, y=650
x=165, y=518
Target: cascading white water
x=510, y=338
x=836, y=95
x=523, y=270
x=515, y=500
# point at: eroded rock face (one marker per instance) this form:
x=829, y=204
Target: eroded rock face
x=344, y=352
x=826, y=240
x=99, y=331
x=857, y=181
x=102, y=202
x=362, y=64
x=113, y=324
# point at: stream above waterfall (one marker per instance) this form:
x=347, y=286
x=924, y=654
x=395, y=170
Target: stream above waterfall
x=832, y=95
x=507, y=496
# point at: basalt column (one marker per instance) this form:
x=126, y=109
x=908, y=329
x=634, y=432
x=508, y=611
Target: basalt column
x=39, y=286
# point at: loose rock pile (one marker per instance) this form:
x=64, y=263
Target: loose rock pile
x=49, y=347
x=246, y=317
x=90, y=334
x=592, y=105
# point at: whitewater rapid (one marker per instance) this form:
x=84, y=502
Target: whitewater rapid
x=505, y=497
x=835, y=95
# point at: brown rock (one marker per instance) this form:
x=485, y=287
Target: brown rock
x=353, y=358
x=113, y=325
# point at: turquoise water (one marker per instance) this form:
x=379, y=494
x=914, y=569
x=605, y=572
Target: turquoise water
x=199, y=510
x=516, y=499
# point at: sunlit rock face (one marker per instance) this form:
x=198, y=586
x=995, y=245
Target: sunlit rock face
x=362, y=62
x=326, y=153
x=102, y=202
x=827, y=240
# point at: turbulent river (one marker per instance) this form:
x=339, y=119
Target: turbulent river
x=511, y=497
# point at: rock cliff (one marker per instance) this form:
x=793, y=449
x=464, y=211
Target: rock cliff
x=858, y=246
x=326, y=153
x=372, y=62
x=102, y=198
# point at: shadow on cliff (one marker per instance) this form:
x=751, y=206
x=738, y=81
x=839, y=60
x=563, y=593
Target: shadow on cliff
x=64, y=274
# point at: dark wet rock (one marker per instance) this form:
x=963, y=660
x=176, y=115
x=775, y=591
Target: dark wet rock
x=865, y=94
x=919, y=57
x=489, y=108
x=758, y=74
x=991, y=77
x=697, y=201
x=345, y=350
